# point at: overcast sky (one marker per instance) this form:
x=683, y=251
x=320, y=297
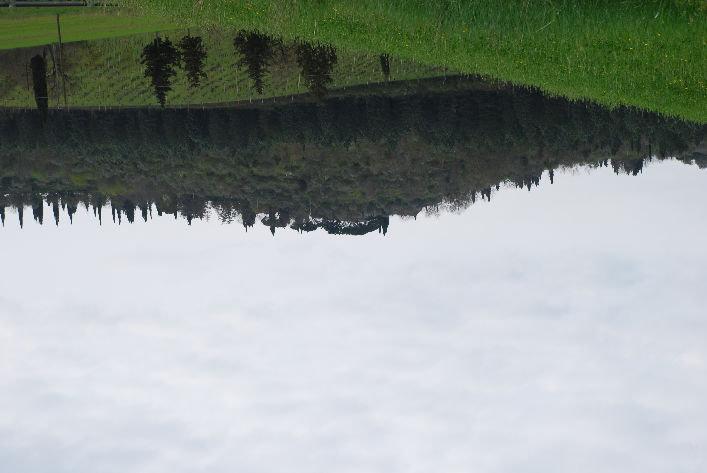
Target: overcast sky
x=558, y=330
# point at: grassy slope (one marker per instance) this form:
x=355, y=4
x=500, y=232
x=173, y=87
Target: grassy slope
x=647, y=53
x=109, y=73
x=650, y=53
x=23, y=27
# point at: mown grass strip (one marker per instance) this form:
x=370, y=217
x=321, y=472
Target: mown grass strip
x=25, y=27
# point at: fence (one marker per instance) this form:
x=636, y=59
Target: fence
x=34, y=4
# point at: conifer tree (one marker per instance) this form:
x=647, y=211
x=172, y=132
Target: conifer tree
x=257, y=51
x=160, y=58
x=193, y=54
x=317, y=63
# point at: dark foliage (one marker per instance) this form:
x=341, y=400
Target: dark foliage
x=38, y=65
x=193, y=54
x=256, y=52
x=160, y=58
x=317, y=63
x=343, y=165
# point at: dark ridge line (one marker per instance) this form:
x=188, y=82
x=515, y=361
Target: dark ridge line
x=273, y=220
x=130, y=207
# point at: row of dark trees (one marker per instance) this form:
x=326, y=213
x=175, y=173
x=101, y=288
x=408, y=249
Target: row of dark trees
x=347, y=159
x=187, y=207
x=161, y=59
x=460, y=116
x=316, y=61
x=228, y=210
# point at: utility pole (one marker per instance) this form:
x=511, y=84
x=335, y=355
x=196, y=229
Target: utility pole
x=61, y=59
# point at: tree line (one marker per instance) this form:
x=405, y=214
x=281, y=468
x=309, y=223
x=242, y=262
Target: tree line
x=161, y=59
x=343, y=164
x=189, y=208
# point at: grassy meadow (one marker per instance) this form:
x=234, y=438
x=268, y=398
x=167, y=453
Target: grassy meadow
x=645, y=53
x=109, y=73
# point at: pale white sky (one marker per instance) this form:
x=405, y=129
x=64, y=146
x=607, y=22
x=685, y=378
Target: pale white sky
x=558, y=330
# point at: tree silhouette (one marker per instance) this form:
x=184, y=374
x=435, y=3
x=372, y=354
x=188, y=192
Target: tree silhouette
x=39, y=82
x=256, y=50
x=193, y=56
x=247, y=215
x=317, y=63
x=160, y=57
x=53, y=199
x=38, y=208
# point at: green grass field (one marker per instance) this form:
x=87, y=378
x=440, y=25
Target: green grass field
x=650, y=54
